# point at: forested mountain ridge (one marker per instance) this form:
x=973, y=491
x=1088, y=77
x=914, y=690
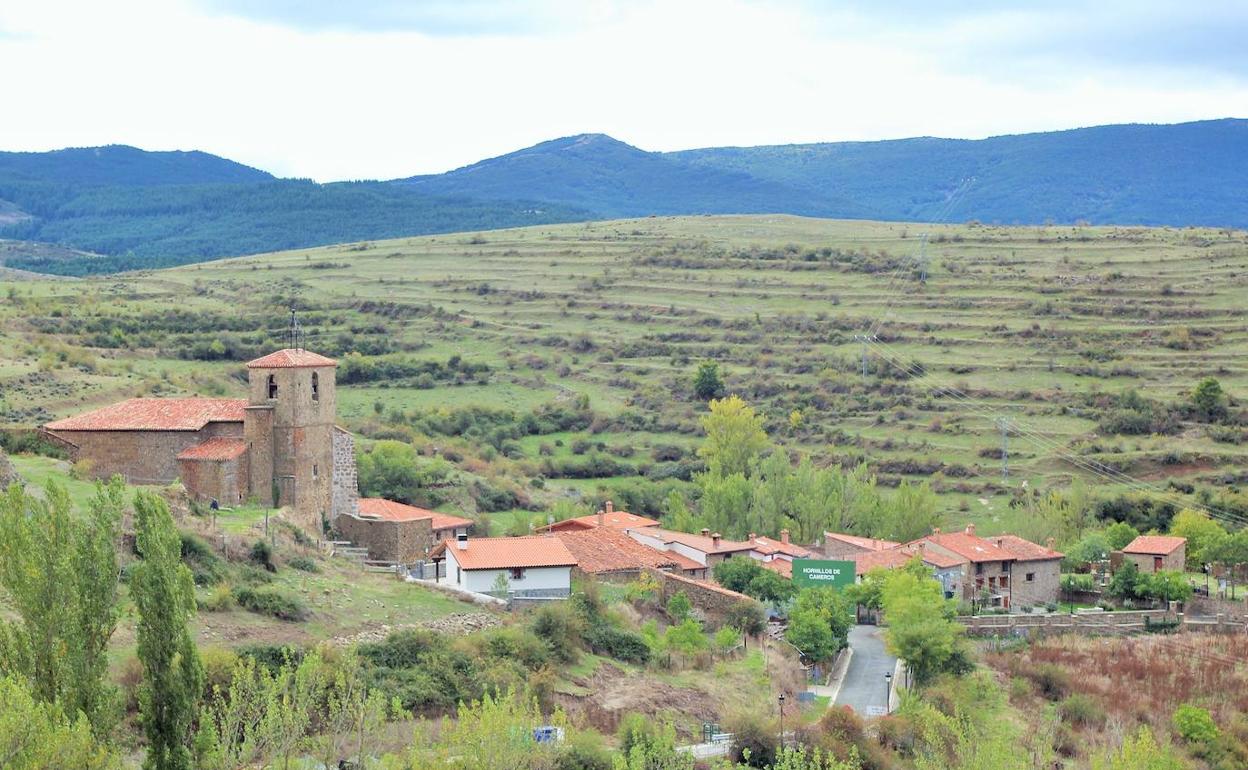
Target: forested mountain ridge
x=141, y=209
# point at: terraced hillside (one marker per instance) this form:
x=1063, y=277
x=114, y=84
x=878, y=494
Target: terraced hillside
x=1045, y=326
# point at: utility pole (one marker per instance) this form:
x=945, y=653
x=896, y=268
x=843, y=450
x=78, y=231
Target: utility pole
x=863, y=339
x=1004, y=425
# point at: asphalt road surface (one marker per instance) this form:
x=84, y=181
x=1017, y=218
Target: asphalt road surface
x=865, y=690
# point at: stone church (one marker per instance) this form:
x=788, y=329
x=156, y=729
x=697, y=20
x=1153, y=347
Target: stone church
x=279, y=446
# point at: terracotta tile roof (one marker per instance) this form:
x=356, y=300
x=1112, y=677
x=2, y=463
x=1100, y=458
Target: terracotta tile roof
x=614, y=520
x=683, y=562
x=1025, y=550
x=896, y=558
x=156, y=414
x=865, y=543
x=290, y=358
x=509, y=552
x=710, y=586
x=603, y=549
x=768, y=547
x=973, y=548
x=389, y=510
x=1154, y=545
x=215, y=449
x=701, y=543
x=782, y=567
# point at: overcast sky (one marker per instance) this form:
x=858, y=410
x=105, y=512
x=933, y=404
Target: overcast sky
x=349, y=89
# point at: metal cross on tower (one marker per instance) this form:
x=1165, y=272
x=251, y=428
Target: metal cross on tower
x=294, y=334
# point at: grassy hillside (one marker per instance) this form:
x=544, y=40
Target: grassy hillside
x=466, y=336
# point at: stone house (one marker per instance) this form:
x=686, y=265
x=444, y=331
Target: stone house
x=276, y=446
x=945, y=568
x=396, y=533
x=1037, y=570
x=707, y=549
x=1157, y=552
x=987, y=569
x=837, y=545
x=534, y=566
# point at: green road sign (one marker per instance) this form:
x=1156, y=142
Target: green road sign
x=820, y=572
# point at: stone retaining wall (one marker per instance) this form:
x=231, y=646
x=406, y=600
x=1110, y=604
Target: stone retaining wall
x=712, y=599
x=1093, y=623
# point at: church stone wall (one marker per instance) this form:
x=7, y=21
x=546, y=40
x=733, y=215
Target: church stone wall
x=141, y=456
x=346, y=490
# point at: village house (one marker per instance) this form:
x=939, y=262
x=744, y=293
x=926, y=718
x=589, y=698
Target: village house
x=610, y=554
x=707, y=549
x=987, y=572
x=1157, y=552
x=396, y=533
x=534, y=566
x=1037, y=570
x=837, y=545
x=279, y=446
x=945, y=568
x=605, y=517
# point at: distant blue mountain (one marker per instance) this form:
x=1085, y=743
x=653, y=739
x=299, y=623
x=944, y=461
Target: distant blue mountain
x=148, y=209
x=1185, y=174
x=118, y=164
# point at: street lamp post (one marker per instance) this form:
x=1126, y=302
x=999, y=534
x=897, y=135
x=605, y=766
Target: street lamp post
x=888, y=692
x=781, y=699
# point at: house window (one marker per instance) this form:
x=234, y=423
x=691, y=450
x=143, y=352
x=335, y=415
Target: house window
x=313, y=470
x=1030, y=577
x=272, y=386
x=979, y=568
x=457, y=575
x=517, y=573
x=316, y=387
x=1005, y=567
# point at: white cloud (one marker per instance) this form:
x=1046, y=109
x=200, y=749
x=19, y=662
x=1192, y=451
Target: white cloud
x=334, y=102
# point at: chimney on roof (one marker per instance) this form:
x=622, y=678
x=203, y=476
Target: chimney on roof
x=935, y=530
x=1050, y=543
x=715, y=540
x=461, y=541
x=752, y=536
x=706, y=532
x=602, y=517
x=970, y=529
x=784, y=536
x=610, y=507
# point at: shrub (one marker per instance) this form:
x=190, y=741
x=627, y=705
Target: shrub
x=1051, y=680
x=583, y=750
x=402, y=649
x=303, y=564
x=271, y=601
x=560, y=628
x=219, y=599
x=679, y=607
x=618, y=643
x=1082, y=710
x=219, y=664
x=518, y=644
x=753, y=740
x=272, y=656
x=1194, y=724
x=206, y=567
x=262, y=554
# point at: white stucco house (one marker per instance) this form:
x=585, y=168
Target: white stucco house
x=537, y=566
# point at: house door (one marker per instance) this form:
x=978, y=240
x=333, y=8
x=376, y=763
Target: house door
x=1156, y=563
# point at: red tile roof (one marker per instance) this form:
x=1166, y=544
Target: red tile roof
x=603, y=549
x=509, y=552
x=683, y=562
x=156, y=414
x=389, y=510
x=290, y=358
x=1025, y=550
x=1154, y=545
x=768, y=547
x=971, y=547
x=614, y=519
x=710, y=586
x=215, y=449
x=866, y=543
x=896, y=558
x=701, y=543
x=782, y=567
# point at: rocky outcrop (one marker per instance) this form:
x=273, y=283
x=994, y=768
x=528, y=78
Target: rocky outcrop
x=459, y=624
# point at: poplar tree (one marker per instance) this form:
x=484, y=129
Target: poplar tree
x=163, y=591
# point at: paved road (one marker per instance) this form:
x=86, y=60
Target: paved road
x=864, y=689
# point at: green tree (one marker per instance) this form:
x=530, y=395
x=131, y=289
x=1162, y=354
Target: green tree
x=909, y=513
x=1141, y=752
x=393, y=470
x=679, y=607
x=1204, y=535
x=707, y=383
x=747, y=617
x=163, y=592
x=819, y=622
x=36, y=735
x=1126, y=582
x=686, y=638
x=734, y=436
x=725, y=502
x=1120, y=534
x=921, y=626
x=59, y=571
x=1166, y=585
x=1209, y=399
x=1092, y=547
